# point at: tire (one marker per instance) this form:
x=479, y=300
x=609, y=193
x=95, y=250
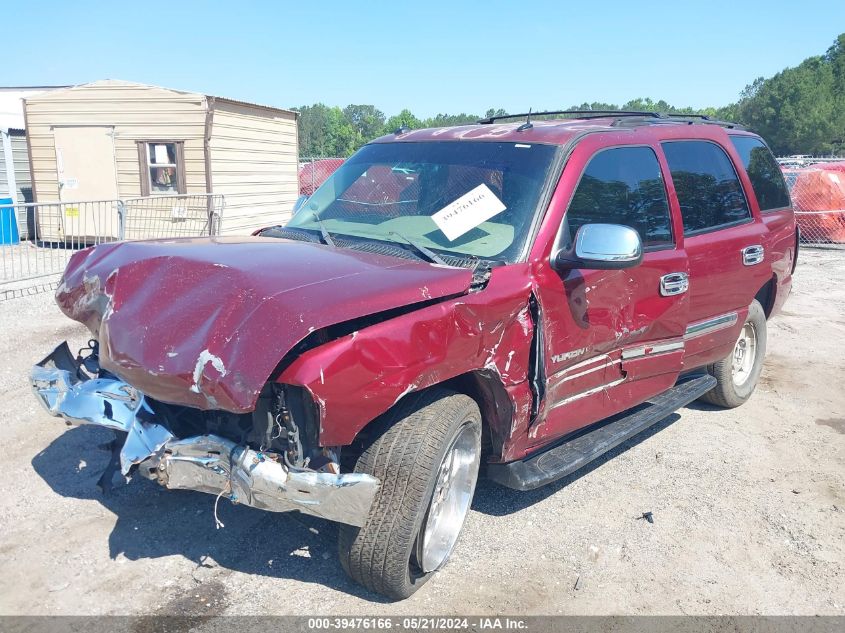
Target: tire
x=735, y=386
x=408, y=455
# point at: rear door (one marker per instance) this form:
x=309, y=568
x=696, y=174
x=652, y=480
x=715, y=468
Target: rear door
x=775, y=208
x=612, y=338
x=725, y=242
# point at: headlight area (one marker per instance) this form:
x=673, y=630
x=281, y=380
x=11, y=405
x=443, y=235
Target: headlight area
x=269, y=458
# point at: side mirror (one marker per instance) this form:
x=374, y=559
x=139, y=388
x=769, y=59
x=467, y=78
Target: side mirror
x=602, y=247
x=300, y=202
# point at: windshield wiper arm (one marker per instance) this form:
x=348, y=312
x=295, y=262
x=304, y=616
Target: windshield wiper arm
x=427, y=253
x=327, y=238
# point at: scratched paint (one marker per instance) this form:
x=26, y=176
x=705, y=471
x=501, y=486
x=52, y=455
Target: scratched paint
x=364, y=375
x=204, y=359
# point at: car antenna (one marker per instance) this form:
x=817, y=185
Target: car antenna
x=528, y=124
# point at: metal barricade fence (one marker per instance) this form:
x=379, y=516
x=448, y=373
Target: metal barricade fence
x=171, y=216
x=37, y=239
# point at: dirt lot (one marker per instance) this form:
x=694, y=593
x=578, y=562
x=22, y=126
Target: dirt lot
x=749, y=509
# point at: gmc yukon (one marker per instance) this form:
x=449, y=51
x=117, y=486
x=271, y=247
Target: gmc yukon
x=511, y=298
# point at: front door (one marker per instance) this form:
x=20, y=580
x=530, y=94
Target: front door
x=613, y=338
x=85, y=166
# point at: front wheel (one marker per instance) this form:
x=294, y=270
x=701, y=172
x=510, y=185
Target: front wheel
x=737, y=374
x=426, y=457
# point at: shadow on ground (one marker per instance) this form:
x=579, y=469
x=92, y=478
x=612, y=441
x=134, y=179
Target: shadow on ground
x=153, y=522
x=496, y=500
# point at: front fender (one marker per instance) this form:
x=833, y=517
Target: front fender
x=358, y=377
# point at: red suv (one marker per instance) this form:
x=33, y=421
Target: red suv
x=510, y=297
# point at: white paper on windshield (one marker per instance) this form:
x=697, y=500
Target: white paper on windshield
x=467, y=212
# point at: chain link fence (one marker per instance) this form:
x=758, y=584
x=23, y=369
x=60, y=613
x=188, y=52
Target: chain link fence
x=313, y=172
x=38, y=239
x=817, y=187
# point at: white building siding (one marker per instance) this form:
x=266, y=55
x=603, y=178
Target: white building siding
x=253, y=154
x=136, y=112
x=252, y=150
x=20, y=156
x=23, y=182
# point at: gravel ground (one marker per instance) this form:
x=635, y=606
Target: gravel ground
x=748, y=505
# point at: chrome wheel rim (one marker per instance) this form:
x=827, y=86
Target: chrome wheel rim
x=450, y=502
x=744, y=354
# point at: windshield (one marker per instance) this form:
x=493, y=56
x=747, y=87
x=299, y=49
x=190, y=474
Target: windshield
x=474, y=199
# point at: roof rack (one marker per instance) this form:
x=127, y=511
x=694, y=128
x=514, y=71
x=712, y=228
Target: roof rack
x=590, y=114
x=597, y=114
x=704, y=117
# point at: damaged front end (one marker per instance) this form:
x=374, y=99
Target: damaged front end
x=261, y=465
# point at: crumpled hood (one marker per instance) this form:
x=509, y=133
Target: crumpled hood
x=204, y=322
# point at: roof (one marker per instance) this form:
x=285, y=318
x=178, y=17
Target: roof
x=554, y=132
x=133, y=84
x=549, y=131
x=11, y=104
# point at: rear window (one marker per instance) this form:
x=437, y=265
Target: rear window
x=708, y=189
x=763, y=171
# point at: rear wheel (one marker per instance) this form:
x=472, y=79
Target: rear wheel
x=738, y=373
x=427, y=457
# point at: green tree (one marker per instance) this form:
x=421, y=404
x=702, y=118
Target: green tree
x=443, y=120
x=366, y=119
x=405, y=118
x=595, y=105
x=799, y=110
x=325, y=131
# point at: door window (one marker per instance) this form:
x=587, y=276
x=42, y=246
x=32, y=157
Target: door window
x=707, y=186
x=623, y=185
x=763, y=171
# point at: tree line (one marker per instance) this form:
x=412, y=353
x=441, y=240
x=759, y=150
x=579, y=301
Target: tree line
x=800, y=110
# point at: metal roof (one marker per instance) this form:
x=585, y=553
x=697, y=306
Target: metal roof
x=121, y=82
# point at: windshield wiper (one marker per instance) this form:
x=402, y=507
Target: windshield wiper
x=427, y=253
x=327, y=238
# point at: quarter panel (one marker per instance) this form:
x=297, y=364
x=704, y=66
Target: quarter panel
x=356, y=378
x=781, y=249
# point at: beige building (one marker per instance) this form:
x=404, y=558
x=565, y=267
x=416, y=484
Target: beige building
x=116, y=139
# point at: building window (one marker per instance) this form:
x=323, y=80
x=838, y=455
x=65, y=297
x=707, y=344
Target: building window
x=162, y=167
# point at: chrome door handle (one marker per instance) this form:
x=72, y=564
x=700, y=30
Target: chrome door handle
x=674, y=284
x=753, y=255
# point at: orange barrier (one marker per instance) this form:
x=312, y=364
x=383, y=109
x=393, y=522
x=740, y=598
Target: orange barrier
x=818, y=196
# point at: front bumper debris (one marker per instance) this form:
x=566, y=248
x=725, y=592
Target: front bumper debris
x=207, y=463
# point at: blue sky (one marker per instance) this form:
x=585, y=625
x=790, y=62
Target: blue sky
x=429, y=56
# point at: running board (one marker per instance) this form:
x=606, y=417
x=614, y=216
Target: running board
x=552, y=464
